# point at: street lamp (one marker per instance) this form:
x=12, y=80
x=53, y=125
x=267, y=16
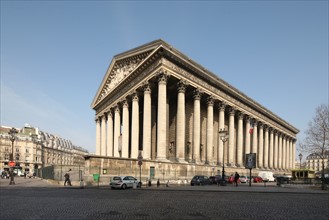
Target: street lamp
x=300, y=160
x=223, y=135
x=12, y=136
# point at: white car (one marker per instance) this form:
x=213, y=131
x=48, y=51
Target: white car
x=244, y=179
x=124, y=182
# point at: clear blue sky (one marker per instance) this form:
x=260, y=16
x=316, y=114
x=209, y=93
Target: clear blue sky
x=54, y=54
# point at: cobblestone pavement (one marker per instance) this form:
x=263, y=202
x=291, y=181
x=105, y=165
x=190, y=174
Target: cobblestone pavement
x=38, y=199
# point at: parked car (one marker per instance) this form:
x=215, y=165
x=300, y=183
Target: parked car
x=124, y=182
x=267, y=176
x=231, y=179
x=200, y=180
x=244, y=179
x=215, y=179
x=257, y=179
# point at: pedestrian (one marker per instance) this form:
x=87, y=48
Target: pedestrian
x=158, y=183
x=67, y=178
x=24, y=174
x=236, y=178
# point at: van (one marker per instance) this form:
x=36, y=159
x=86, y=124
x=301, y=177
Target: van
x=267, y=176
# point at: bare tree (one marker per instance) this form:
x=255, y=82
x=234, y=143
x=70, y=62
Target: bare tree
x=317, y=135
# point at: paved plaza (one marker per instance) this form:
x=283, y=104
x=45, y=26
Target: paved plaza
x=40, y=199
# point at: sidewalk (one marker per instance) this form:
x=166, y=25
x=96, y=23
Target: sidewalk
x=20, y=182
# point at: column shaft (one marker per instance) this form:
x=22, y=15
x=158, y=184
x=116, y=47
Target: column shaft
x=275, y=150
x=125, y=130
x=135, y=127
x=231, y=138
x=280, y=152
x=117, y=132
x=271, y=154
x=180, y=120
x=240, y=141
x=260, y=155
x=221, y=127
x=210, y=130
x=266, y=148
x=196, y=126
x=162, y=118
x=247, y=136
x=109, y=145
x=147, y=123
x=103, y=136
x=98, y=137
x=284, y=153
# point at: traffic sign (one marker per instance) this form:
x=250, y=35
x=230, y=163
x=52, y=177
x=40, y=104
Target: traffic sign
x=12, y=163
x=140, y=157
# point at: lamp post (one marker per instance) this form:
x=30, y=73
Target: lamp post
x=300, y=160
x=12, y=136
x=223, y=135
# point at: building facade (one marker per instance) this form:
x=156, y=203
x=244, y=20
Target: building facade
x=314, y=161
x=157, y=102
x=33, y=154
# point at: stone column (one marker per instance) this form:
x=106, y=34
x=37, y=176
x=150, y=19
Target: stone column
x=135, y=127
x=221, y=126
x=98, y=136
x=284, y=152
x=255, y=138
x=210, y=130
x=266, y=147
x=271, y=154
x=162, y=118
x=288, y=153
x=196, y=126
x=240, y=140
x=280, y=151
x=147, y=123
x=275, y=155
x=180, y=122
x=125, y=129
x=117, y=132
x=109, y=145
x=247, y=136
x=293, y=153
x=260, y=155
x=231, y=138
x=103, y=136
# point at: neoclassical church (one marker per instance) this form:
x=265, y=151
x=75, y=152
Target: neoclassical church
x=157, y=102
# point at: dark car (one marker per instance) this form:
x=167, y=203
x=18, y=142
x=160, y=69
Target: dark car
x=215, y=179
x=200, y=180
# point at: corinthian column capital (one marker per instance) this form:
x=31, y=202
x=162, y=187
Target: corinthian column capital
x=197, y=94
x=162, y=78
x=210, y=100
x=181, y=86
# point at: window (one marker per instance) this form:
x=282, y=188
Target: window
x=17, y=150
x=26, y=150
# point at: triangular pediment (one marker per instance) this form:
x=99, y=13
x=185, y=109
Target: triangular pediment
x=122, y=66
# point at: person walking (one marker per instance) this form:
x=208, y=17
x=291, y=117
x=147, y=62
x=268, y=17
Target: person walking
x=67, y=178
x=236, y=178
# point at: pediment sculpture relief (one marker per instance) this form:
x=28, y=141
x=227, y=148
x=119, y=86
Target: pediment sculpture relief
x=119, y=72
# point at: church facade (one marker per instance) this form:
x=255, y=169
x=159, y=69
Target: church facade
x=156, y=102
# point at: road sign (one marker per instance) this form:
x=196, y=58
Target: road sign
x=140, y=157
x=12, y=163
